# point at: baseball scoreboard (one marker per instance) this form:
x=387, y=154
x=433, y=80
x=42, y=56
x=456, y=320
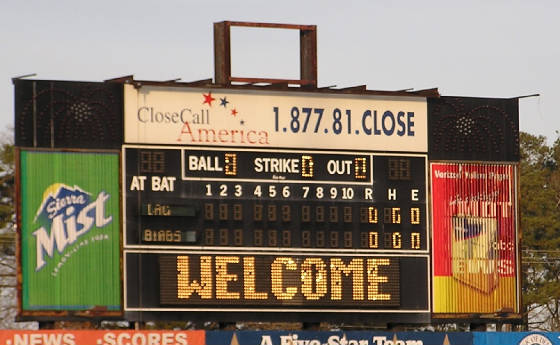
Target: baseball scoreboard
x=266, y=202
x=254, y=199
x=268, y=228
x=230, y=204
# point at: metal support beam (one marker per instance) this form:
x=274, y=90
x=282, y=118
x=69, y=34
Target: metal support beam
x=308, y=55
x=222, y=53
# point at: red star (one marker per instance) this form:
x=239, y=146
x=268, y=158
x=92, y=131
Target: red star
x=208, y=98
x=233, y=112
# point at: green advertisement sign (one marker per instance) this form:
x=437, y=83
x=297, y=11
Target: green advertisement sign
x=70, y=231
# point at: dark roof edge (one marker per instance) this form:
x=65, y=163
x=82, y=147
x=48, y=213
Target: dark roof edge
x=207, y=83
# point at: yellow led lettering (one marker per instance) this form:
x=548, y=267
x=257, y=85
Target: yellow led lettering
x=354, y=268
x=230, y=164
x=360, y=168
x=415, y=240
x=373, y=239
x=158, y=210
x=185, y=287
x=415, y=215
x=161, y=235
x=308, y=278
x=223, y=277
x=372, y=215
x=396, y=215
x=374, y=280
x=147, y=235
x=307, y=166
x=276, y=275
x=397, y=240
x=249, y=289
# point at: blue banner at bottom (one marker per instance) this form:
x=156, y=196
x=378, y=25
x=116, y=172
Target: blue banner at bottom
x=516, y=338
x=336, y=338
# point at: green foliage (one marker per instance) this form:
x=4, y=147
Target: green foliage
x=540, y=219
x=540, y=223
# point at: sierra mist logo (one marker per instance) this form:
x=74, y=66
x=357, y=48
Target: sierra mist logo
x=70, y=213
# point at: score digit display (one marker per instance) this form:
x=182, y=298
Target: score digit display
x=265, y=229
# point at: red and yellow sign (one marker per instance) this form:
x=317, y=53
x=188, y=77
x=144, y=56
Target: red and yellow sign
x=474, y=221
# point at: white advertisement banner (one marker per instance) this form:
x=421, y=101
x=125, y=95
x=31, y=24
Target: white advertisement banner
x=229, y=117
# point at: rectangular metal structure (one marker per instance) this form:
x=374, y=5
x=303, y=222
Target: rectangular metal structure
x=474, y=220
x=69, y=232
x=254, y=118
x=308, y=53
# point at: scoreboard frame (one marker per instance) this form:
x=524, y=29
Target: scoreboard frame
x=415, y=302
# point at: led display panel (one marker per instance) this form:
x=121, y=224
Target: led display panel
x=269, y=229
x=265, y=282
x=269, y=199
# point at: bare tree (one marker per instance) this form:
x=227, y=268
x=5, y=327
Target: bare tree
x=8, y=284
x=8, y=268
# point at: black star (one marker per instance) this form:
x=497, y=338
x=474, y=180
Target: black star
x=224, y=102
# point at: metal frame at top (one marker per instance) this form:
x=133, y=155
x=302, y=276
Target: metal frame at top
x=308, y=54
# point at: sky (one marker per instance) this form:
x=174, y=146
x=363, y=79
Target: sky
x=495, y=48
